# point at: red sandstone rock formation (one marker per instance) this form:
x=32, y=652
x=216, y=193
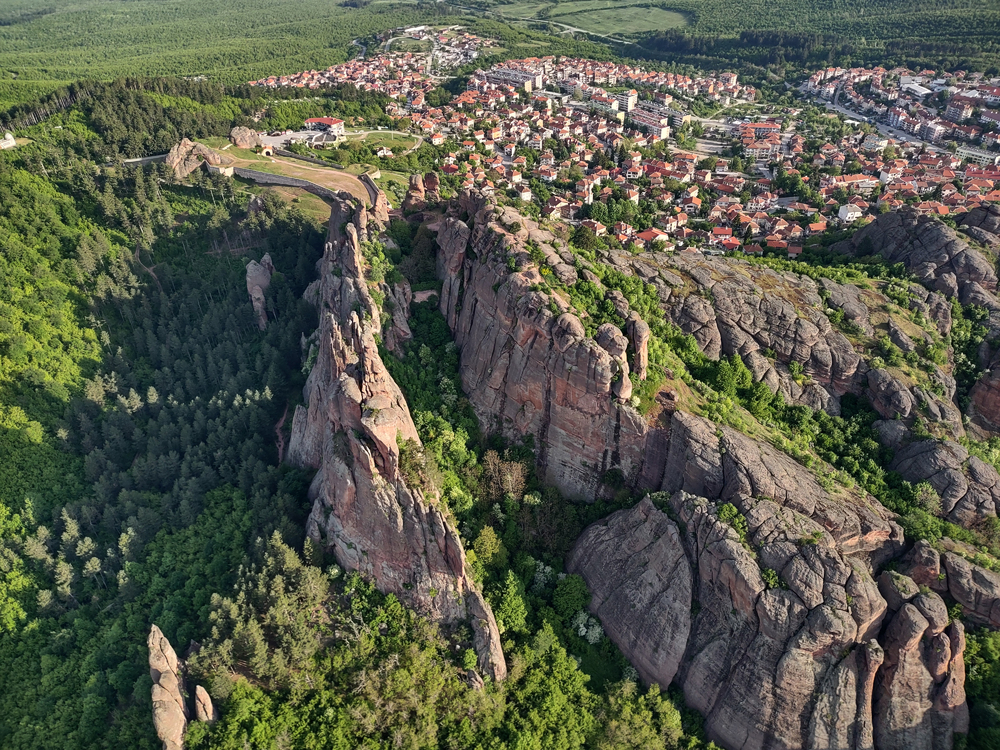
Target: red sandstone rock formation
x=375, y=519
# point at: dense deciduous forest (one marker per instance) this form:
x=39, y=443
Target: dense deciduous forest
x=141, y=411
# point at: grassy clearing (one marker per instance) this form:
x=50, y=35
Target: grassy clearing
x=623, y=20
x=522, y=10
x=311, y=205
x=412, y=45
x=398, y=143
x=326, y=177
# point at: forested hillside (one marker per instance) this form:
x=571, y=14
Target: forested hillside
x=142, y=414
x=146, y=422
x=234, y=41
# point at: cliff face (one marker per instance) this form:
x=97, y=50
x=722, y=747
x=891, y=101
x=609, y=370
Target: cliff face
x=529, y=367
x=527, y=364
x=933, y=252
x=350, y=432
x=772, y=622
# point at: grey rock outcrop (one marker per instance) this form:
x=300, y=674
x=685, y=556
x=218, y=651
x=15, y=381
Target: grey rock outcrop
x=170, y=712
x=453, y=241
x=932, y=251
x=187, y=156
x=244, y=137
x=258, y=281
x=373, y=518
x=894, y=399
x=850, y=299
x=968, y=486
x=985, y=218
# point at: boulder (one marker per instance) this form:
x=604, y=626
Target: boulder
x=848, y=298
x=204, y=710
x=187, y=156
x=244, y=137
x=986, y=218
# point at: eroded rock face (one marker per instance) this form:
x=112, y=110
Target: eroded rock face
x=243, y=137
x=975, y=588
x=932, y=251
x=528, y=369
x=969, y=487
x=170, y=712
x=373, y=518
x=920, y=694
x=258, y=280
x=640, y=582
x=187, y=156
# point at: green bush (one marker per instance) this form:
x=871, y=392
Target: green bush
x=571, y=596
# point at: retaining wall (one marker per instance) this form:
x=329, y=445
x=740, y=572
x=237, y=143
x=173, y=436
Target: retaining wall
x=266, y=178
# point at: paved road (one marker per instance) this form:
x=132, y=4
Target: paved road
x=884, y=129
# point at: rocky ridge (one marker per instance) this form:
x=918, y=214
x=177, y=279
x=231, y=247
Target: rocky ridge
x=186, y=156
x=752, y=587
x=528, y=366
x=351, y=431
